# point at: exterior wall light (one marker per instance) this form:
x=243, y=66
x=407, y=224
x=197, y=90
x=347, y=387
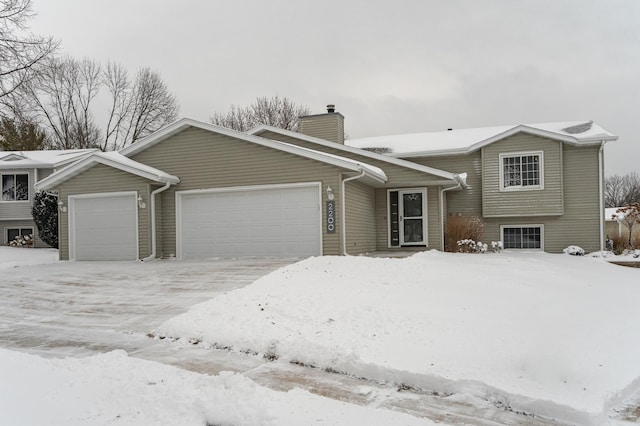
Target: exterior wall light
x=141, y=202
x=61, y=206
x=330, y=196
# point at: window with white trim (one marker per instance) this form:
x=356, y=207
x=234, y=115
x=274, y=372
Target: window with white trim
x=522, y=237
x=521, y=170
x=12, y=233
x=15, y=187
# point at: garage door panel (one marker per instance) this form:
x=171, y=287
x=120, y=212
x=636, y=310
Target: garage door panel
x=261, y=222
x=104, y=227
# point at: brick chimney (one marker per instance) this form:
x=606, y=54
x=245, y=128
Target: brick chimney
x=329, y=126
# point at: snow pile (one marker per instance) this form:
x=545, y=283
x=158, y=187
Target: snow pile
x=12, y=257
x=113, y=388
x=555, y=335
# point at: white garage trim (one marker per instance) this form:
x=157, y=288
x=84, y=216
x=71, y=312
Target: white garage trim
x=180, y=194
x=71, y=216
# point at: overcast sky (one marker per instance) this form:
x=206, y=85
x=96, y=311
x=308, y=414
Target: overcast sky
x=390, y=67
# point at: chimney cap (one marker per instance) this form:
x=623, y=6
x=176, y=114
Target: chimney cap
x=331, y=108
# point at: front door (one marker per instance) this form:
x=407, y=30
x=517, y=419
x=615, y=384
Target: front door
x=412, y=217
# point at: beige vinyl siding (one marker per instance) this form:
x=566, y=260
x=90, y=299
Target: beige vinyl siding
x=17, y=209
x=580, y=224
x=43, y=173
x=469, y=201
x=101, y=179
x=203, y=160
x=360, y=218
x=324, y=126
x=398, y=176
x=527, y=202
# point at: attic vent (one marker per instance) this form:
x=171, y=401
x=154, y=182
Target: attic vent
x=379, y=150
x=580, y=128
x=13, y=157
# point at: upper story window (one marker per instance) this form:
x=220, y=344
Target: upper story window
x=523, y=170
x=15, y=187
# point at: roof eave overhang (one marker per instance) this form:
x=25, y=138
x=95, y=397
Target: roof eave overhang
x=386, y=158
x=74, y=169
x=596, y=140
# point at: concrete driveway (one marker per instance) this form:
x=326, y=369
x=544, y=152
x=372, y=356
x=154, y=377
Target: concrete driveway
x=82, y=308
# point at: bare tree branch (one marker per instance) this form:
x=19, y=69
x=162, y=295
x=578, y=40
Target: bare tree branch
x=20, y=52
x=275, y=111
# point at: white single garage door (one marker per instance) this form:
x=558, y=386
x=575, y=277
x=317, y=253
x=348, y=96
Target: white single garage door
x=103, y=227
x=282, y=221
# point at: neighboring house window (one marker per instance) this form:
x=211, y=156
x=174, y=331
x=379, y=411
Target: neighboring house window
x=521, y=171
x=522, y=237
x=12, y=233
x=15, y=187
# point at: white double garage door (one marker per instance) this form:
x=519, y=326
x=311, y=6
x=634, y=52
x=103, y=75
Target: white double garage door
x=280, y=221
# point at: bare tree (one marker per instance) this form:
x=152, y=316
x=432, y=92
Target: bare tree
x=153, y=106
x=138, y=108
x=629, y=216
x=275, y=111
x=64, y=93
x=622, y=190
x=20, y=52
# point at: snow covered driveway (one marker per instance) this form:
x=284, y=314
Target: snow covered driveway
x=82, y=308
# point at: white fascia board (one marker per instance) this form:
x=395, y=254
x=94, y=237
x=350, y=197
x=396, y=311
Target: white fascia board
x=391, y=159
x=76, y=168
x=185, y=123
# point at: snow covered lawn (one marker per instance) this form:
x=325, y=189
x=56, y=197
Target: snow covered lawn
x=556, y=335
x=115, y=389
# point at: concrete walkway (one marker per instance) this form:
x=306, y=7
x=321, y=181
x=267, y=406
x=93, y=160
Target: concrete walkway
x=83, y=308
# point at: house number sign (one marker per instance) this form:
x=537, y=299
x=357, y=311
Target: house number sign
x=331, y=217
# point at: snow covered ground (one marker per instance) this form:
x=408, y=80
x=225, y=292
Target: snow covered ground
x=554, y=335
x=50, y=303
x=115, y=389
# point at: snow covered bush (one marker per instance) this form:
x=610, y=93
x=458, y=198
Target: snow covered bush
x=496, y=246
x=22, y=241
x=574, y=251
x=45, y=215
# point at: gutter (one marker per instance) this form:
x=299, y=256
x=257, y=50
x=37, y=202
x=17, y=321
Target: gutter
x=343, y=219
x=153, y=220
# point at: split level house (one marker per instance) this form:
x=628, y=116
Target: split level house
x=19, y=171
x=195, y=190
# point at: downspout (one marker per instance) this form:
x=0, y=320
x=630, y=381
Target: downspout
x=460, y=185
x=343, y=210
x=153, y=220
x=601, y=192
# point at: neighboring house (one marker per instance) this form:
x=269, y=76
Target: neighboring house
x=617, y=230
x=19, y=171
x=195, y=190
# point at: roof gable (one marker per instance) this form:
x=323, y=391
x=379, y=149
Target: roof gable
x=111, y=159
x=344, y=162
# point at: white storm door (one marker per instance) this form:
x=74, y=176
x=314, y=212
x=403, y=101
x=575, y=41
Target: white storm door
x=412, y=212
x=277, y=220
x=103, y=226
